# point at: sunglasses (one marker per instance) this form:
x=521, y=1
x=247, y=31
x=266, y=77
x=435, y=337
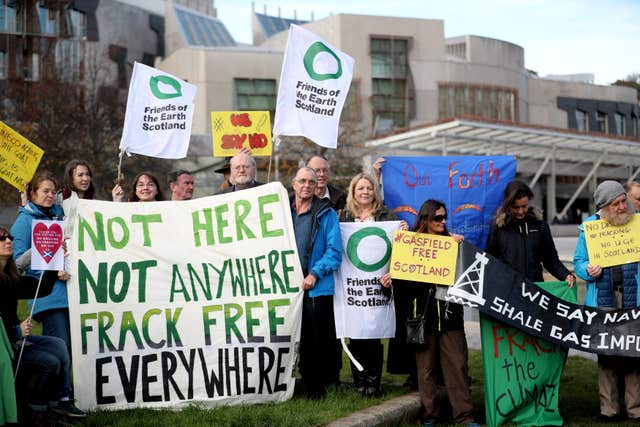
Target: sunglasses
x=440, y=218
x=5, y=237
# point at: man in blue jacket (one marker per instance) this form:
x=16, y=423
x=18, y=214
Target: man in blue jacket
x=612, y=288
x=319, y=245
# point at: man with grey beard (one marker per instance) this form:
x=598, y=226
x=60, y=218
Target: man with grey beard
x=612, y=288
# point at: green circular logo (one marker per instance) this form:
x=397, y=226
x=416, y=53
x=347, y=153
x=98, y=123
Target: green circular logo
x=354, y=242
x=175, y=90
x=311, y=54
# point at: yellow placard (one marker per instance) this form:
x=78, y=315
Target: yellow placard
x=609, y=245
x=423, y=257
x=233, y=130
x=19, y=157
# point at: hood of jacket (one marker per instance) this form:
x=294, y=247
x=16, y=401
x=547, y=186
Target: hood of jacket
x=32, y=210
x=504, y=218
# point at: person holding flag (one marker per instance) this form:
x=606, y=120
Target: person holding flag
x=53, y=310
x=144, y=188
x=364, y=205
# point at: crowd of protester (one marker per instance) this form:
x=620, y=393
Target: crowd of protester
x=518, y=236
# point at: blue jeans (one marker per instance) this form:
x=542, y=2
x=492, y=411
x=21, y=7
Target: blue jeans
x=46, y=365
x=55, y=323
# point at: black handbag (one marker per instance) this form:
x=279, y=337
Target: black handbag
x=417, y=329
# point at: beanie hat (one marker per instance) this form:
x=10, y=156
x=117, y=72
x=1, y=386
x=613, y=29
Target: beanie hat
x=607, y=192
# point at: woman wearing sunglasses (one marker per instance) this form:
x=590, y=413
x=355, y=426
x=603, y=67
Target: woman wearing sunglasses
x=446, y=349
x=520, y=238
x=44, y=372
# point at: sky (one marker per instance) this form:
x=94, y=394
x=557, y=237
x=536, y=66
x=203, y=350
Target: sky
x=558, y=36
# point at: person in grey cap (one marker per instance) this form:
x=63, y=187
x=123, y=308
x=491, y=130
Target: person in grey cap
x=612, y=288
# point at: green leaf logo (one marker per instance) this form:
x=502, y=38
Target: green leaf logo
x=166, y=81
x=311, y=54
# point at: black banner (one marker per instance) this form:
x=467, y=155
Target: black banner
x=485, y=283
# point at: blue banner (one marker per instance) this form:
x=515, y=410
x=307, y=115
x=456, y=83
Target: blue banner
x=472, y=188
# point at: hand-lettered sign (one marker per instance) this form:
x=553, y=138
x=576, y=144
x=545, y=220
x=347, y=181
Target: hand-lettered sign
x=422, y=257
x=233, y=130
x=46, y=245
x=19, y=158
x=609, y=244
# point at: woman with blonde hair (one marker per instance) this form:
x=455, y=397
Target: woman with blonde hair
x=365, y=205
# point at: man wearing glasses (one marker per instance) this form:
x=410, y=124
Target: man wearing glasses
x=324, y=190
x=319, y=244
x=243, y=173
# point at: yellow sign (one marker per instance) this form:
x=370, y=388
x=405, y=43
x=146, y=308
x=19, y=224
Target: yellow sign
x=233, y=130
x=19, y=158
x=421, y=257
x=609, y=245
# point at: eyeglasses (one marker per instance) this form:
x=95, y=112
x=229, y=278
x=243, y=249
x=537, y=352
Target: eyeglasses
x=440, y=218
x=147, y=185
x=5, y=237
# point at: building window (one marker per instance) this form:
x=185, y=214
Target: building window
x=32, y=67
x=47, y=20
x=457, y=50
x=602, y=122
x=77, y=23
x=3, y=67
x=621, y=124
x=582, y=121
x=69, y=54
x=256, y=94
x=391, y=96
x=634, y=126
x=7, y=17
x=482, y=101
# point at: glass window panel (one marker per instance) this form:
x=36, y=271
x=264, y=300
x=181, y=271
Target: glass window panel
x=477, y=109
x=185, y=27
x=3, y=68
x=213, y=29
x=620, y=124
x=634, y=125
x=47, y=26
x=602, y=120
x=243, y=102
x=203, y=29
x=582, y=121
x=9, y=18
x=502, y=104
x=493, y=106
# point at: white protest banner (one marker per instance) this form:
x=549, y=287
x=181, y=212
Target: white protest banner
x=47, y=252
x=360, y=307
x=159, y=114
x=314, y=83
x=173, y=303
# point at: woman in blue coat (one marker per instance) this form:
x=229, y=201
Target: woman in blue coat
x=53, y=310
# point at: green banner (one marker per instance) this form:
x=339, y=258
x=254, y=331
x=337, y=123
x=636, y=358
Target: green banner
x=522, y=372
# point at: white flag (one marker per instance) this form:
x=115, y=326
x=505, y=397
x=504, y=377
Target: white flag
x=159, y=114
x=361, y=308
x=314, y=83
